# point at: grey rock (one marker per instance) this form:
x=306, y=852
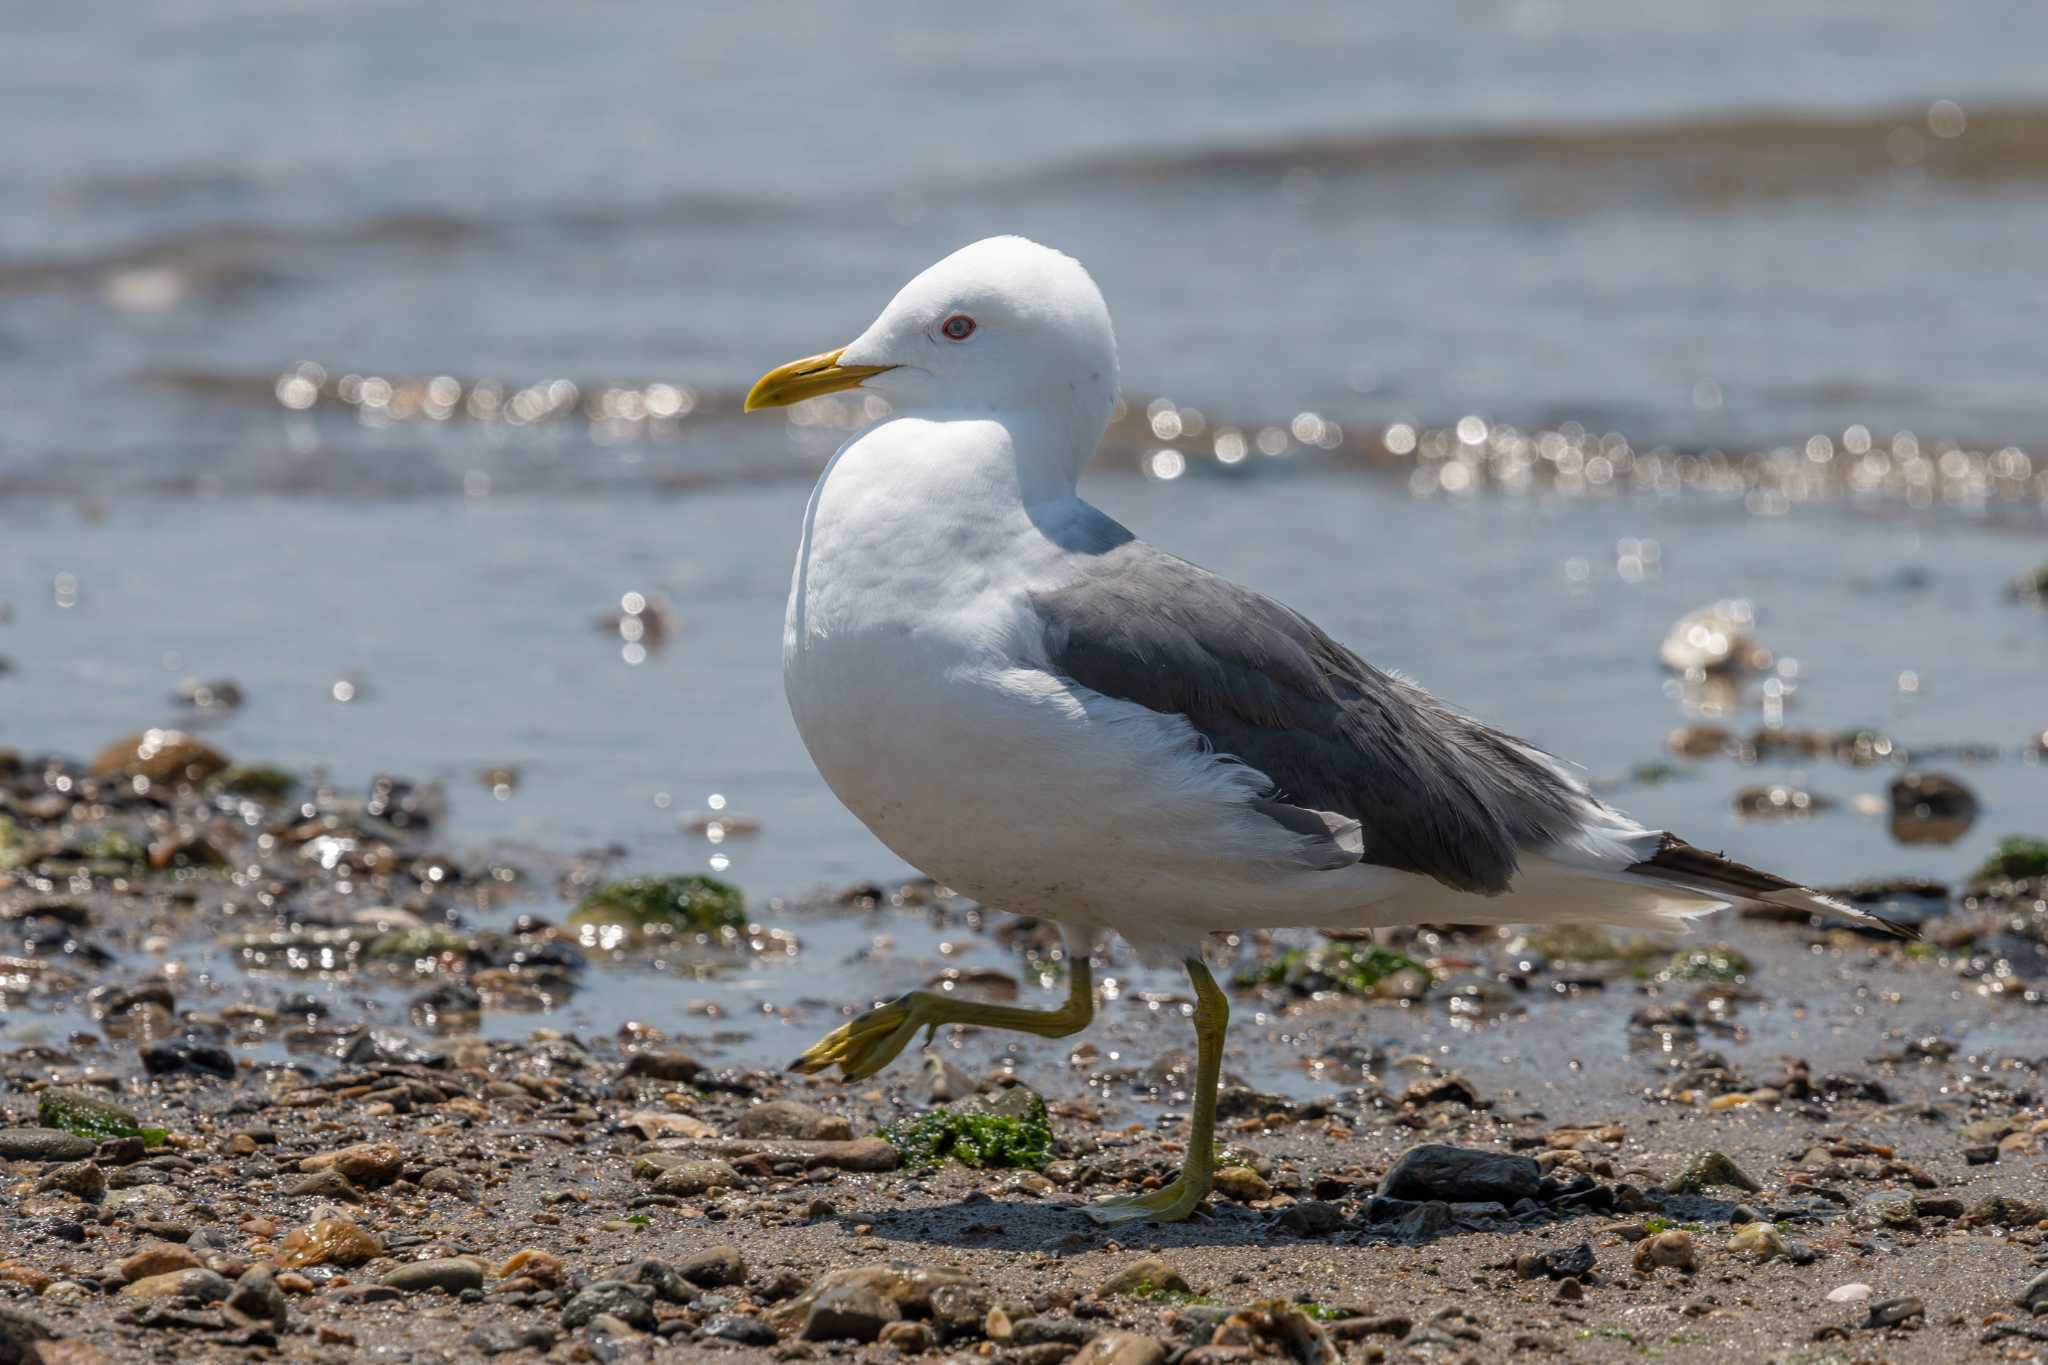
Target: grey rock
x=660, y=1277
x=793, y=1119
x=1424, y=1221
x=1037, y=1331
x=173, y=1055
x=847, y=1312
x=1709, y=1169
x=738, y=1328
x=631, y=1304
x=1122, y=1348
x=1558, y=1263
x=1438, y=1171
x=2034, y=1294
x=198, y=1284
x=43, y=1144
x=1893, y=1312
x=258, y=1301
x=327, y=1184
x=81, y=1178
x=717, y=1268
x=696, y=1177
x=958, y=1310
x=1312, y=1218
x=448, y=1180
x=19, y=1334
x=449, y=1274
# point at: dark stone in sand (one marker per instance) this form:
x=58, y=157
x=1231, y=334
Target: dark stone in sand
x=82, y=1178
x=173, y=1055
x=327, y=1184
x=631, y=1304
x=1424, y=1222
x=1437, y=1171
x=257, y=1300
x=792, y=1119
x=43, y=1144
x=847, y=1312
x=2033, y=1295
x=660, y=1277
x=958, y=1311
x=449, y=1274
x=718, y=1268
x=1558, y=1263
x=19, y=1334
x=1310, y=1219
x=1893, y=1312
x=1040, y=1331
x=662, y=1066
x=737, y=1328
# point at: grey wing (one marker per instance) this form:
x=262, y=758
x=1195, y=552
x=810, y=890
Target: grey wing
x=1433, y=792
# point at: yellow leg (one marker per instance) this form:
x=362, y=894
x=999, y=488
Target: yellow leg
x=871, y=1041
x=1176, y=1201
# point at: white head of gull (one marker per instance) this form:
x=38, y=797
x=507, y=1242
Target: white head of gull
x=1036, y=708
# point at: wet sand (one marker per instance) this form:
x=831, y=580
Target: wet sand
x=364, y=1169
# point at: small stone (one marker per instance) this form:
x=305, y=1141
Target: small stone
x=718, y=1268
x=2033, y=1295
x=1709, y=1169
x=1461, y=1175
x=43, y=1144
x=1759, y=1239
x=544, y=1268
x=696, y=1177
x=793, y=1119
x=911, y=1338
x=958, y=1311
x=1122, y=1348
x=746, y=1331
x=258, y=1300
x=1242, y=1183
x=448, y=1180
x=367, y=1164
x=1853, y=1292
x=19, y=1335
x=1310, y=1218
x=1559, y=1263
x=156, y=1258
x=199, y=1283
x=660, y=1277
x=662, y=1066
x=163, y=756
x=1894, y=1312
x=1673, y=1248
x=449, y=1274
x=170, y=1056
x=847, y=1312
x=631, y=1304
x=329, y=1241
x=84, y=1179
x=1145, y=1276
x=329, y=1184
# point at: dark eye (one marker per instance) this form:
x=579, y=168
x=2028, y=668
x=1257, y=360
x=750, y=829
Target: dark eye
x=959, y=327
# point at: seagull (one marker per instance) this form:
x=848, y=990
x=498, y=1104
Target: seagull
x=1037, y=708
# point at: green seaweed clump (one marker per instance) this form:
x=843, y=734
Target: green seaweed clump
x=1350, y=968
x=87, y=1115
x=1011, y=1131
x=1717, y=963
x=2017, y=856
x=114, y=853
x=415, y=945
x=256, y=780
x=15, y=850
x=692, y=904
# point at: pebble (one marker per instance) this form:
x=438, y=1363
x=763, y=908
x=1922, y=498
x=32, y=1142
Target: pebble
x=910, y=1338
x=1853, y=1292
x=199, y=1283
x=156, y=1258
x=696, y=1177
x=81, y=1178
x=1894, y=1312
x=2033, y=1296
x=1243, y=1184
x=631, y=1304
x=1560, y=1263
x=1146, y=1275
x=367, y=1164
x=1460, y=1175
x=328, y=1241
x=1310, y=1218
x=171, y=1056
x=258, y=1299
x=847, y=1312
x=1761, y=1240
x=448, y=1180
x=1709, y=1169
x=449, y=1274
x=43, y=1144
x=734, y=1327
x=717, y=1268
x=330, y=1184
x=958, y=1311
x=1673, y=1248
x=793, y=1119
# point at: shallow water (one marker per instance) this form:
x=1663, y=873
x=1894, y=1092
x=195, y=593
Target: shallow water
x=1727, y=227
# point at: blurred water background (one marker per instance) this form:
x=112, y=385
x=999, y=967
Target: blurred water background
x=369, y=355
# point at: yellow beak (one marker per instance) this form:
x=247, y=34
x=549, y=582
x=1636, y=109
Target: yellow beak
x=807, y=378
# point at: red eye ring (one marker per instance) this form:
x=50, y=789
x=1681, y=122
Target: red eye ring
x=959, y=327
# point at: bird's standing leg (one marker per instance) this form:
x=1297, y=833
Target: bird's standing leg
x=870, y=1041
x=1176, y=1201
